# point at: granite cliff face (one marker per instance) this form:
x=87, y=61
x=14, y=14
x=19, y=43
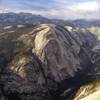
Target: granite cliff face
x=49, y=62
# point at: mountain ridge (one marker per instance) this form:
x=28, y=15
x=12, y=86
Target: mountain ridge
x=46, y=61
x=28, y=18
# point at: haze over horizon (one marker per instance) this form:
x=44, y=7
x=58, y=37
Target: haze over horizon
x=60, y=9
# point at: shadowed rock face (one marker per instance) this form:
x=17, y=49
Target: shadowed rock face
x=45, y=62
x=54, y=49
x=24, y=76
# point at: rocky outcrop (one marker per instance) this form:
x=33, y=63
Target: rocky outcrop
x=24, y=76
x=55, y=50
x=47, y=63
x=90, y=91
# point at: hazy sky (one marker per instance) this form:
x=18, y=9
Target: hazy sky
x=64, y=9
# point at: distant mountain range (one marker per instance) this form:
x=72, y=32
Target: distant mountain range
x=28, y=18
x=86, y=23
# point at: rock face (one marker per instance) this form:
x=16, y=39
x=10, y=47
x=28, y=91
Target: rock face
x=90, y=91
x=46, y=62
x=24, y=76
x=56, y=52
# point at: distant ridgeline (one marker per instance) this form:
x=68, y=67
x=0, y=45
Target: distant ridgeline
x=31, y=19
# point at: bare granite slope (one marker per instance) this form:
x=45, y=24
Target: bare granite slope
x=46, y=62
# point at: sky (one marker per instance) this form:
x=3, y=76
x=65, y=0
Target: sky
x=60, y=9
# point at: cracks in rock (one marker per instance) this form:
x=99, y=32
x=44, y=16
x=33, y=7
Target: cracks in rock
x=56, y=90
x=42, y=70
